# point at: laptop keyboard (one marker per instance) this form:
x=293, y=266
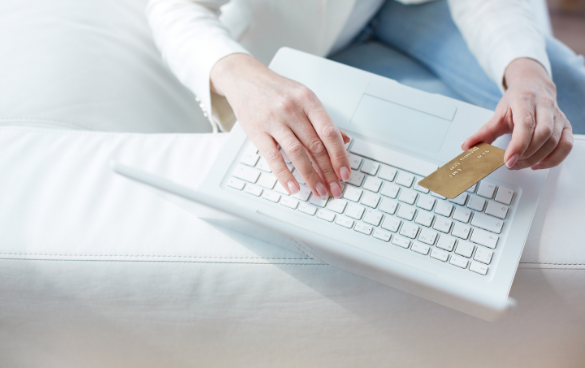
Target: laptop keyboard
x=386, y=203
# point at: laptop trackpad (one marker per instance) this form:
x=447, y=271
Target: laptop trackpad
x=400, y=123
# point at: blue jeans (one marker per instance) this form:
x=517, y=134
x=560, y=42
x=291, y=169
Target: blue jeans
x=420, y=46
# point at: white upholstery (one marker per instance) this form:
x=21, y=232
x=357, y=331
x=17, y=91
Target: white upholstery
x=96, y=271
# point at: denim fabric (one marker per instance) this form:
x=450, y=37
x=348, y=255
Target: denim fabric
x=420, y=46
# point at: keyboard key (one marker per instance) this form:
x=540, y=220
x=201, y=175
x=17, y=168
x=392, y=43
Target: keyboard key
x=303, y=194
x=263, y=165
x=441, y=255
x=356, y=178
x=388, y=205
x=382, y=235
x=444, y=208
x=406, y=212
x=250, y=159
x=355, y=211
x=344, y=221
x=236, y=183
x=360, y=227
x=443, y=224
x=251, y=149
x=405, y=179
x=486, y=189
x=326, y=215
x=410, y=230
x=504, y=195
x=253, y=190
x=408, y=196
x=298, y=176
x=424, y=218
x=290, y=202
x=400, y=241
x=496, y=209
x=458, y=261
x=391, y=223
x=437, y=195
x=337, y=205
x=307, y=208
x=462, y=214
x=372, y=184
x=390, y=190
x=373, y=217
x=487, y=222
x=427, y=236
x=483, y=255
x=464, y=249
x=370, y=199
x=318, y=201
x=420, y=248
x=446, y=242
x=426, y=202
x=476, y=203
x=370, y=167
x=354, y=161
x=472, y=188
x=246, y=173
x=280, y=189
x=484, y=238
x=271, y=196
x=460, y=230
x=418, y=187
x=387, y=173
x=460, y=199
x=267, y=181
x=478, y=268
x=352, y=193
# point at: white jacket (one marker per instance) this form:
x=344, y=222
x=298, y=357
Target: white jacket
x=194, y=34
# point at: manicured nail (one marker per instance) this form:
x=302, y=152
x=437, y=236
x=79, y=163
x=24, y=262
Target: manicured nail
x=344, y=171
x=321, y=190
x=516, y=167
x=293, y=187
x=335, y=190
x=512, y=161
x=537, y=167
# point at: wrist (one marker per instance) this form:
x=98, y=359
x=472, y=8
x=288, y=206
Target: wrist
x=522, y=69
x=225, y=72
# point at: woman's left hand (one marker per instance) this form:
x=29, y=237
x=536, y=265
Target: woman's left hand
x=542, y=137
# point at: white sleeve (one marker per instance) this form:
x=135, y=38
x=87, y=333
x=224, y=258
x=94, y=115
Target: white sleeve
x=192, y=39
x=499, y=31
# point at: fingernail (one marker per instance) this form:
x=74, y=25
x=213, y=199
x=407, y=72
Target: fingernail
x=516, y=167
x=321, y=190
x=293, y=187
x=335, y=190
x=537, y=167
x=344, y=171
x=512, y=161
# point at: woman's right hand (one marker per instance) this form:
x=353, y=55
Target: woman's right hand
x=274, y=110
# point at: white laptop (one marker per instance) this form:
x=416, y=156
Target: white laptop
x=461, y=253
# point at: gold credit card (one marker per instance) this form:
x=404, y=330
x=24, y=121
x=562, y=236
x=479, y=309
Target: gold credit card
x=459, y=174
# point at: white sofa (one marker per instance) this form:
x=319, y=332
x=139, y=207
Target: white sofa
x=96, y=271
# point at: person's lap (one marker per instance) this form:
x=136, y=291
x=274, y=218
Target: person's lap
x=420, y=46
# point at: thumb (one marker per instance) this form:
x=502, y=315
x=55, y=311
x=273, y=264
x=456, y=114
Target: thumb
x=488, y=133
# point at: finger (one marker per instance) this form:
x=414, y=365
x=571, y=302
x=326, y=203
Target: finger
x=346, y=139
x=299, y=158
x=561, y=151
x=491, y=130
x=334, y=153
x=316, y=149
x=523, y=118
x=545, y=126
x=544, y=150
x=271, y=154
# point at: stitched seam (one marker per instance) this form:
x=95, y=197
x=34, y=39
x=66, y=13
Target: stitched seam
x=135, y=255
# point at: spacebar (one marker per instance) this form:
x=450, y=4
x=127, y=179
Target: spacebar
x=393, y=158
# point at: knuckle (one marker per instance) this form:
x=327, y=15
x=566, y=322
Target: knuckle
x=282, y=173
x=305, y=94
x=545, y=131
x=528, y=121
x=294, y=150
x=272, y=155
x=548, y=102
x=286, y=104
x=528, y=96
x=329, y=131
x=316, y=147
